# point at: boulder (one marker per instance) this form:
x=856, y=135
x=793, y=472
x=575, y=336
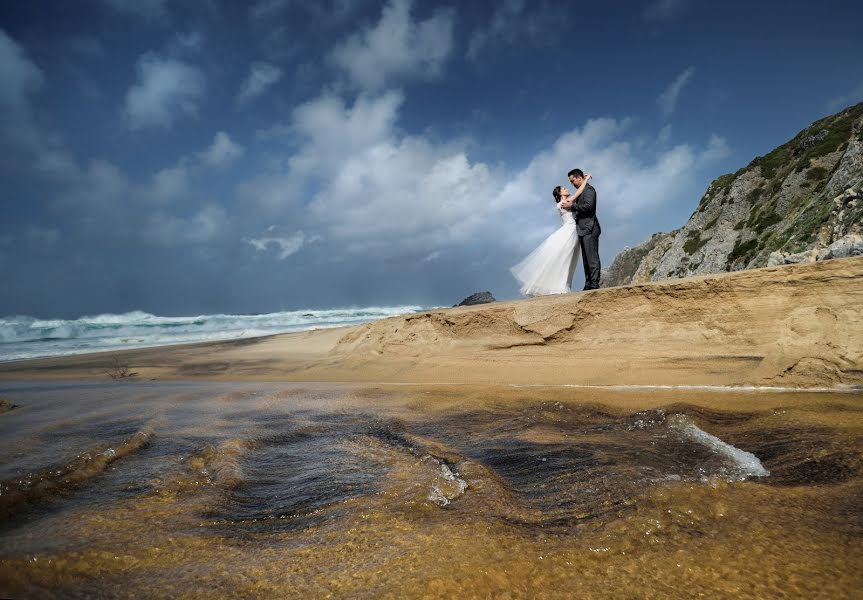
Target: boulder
x=775, y=259
x=809, y=256
x=478, y=298
x=850, y=245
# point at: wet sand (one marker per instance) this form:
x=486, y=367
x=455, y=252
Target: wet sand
x=286, y=490
x=523, y=449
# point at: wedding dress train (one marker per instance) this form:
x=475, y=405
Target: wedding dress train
x=549, y=268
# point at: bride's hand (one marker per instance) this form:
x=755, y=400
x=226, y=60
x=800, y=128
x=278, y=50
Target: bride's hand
x=588, y=177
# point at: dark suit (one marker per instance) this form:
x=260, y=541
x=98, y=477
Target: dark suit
x=588, y=229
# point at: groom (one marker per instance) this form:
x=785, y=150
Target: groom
x=588, y=229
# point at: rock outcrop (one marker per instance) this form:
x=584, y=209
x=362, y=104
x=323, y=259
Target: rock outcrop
x=796, y=325
x=478, y=298
x=631, y=265
x=802, y=202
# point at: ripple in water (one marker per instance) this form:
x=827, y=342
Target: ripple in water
x=356, y=487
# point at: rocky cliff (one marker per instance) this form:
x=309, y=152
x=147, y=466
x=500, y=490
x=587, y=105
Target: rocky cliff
x=802, y=202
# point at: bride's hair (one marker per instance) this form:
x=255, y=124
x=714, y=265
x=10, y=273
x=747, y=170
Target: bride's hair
x=556, y=193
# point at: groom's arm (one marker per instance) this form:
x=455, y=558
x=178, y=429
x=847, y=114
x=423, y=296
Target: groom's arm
x=586, y=203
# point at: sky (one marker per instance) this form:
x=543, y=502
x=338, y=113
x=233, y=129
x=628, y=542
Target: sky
x=186, y=157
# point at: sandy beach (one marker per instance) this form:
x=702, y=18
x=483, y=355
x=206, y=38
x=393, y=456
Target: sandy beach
x=560, y=446
x=790, y=326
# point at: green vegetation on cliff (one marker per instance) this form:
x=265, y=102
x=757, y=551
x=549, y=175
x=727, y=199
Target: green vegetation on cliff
x=806, y=193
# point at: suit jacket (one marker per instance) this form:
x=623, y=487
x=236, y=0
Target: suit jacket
x=585, y=212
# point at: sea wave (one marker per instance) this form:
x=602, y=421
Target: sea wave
x=29, y=337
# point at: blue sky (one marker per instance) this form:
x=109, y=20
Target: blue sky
x=185, y=157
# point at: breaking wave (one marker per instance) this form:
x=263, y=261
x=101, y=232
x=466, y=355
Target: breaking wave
x=27, y=337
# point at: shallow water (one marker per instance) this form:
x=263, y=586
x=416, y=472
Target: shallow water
x=291, y=490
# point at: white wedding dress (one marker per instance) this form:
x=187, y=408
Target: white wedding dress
x=549, y=268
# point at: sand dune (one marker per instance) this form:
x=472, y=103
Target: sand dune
x=796, y=325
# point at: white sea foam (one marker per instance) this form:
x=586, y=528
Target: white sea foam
x=743, y=464
x=27, y=337
x=447, y=486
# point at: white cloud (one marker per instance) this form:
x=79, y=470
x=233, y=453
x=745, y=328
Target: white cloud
x=397, y=48
x=330, y=133
x=628, y=183
x=221, y=152
x=167, y=89
x=58, y=164
x=168, y=184
x=168, y=230
x=101, y=199
x=206, y=224
x=284, y=246
x=667, y=100
x=147, y=9
x=717, y=149
x=510, y=23
x=380, y=192
x=851, y=97
x=664, y=10
x=262, y=76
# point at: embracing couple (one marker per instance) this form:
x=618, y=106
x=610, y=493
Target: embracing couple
x=549, y=268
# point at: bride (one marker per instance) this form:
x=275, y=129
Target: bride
x=549, y=268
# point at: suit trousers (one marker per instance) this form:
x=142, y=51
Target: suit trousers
x=590, y=257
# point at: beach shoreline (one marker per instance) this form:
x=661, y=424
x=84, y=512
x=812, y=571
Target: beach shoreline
x=796, y=326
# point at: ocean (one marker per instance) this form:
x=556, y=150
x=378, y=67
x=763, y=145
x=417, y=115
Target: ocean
x=24, y=337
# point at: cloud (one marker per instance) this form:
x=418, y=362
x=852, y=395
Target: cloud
x=186, y=43
x=376, y=192
x=21, y=80
x=373, y=189
x=851, y=97
x=284, y=246
x=511, y=23
x=261, y=77
x=166, y=90
x=147, y=9
x=168, y=208
x=664, y=134
x=221, y=152
x=168, y=184
x=667, y=100
x=629, y=182
x=664, y=10
x=167, y=230
x=329, y=132
x=717, y=149
x=397, y=48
